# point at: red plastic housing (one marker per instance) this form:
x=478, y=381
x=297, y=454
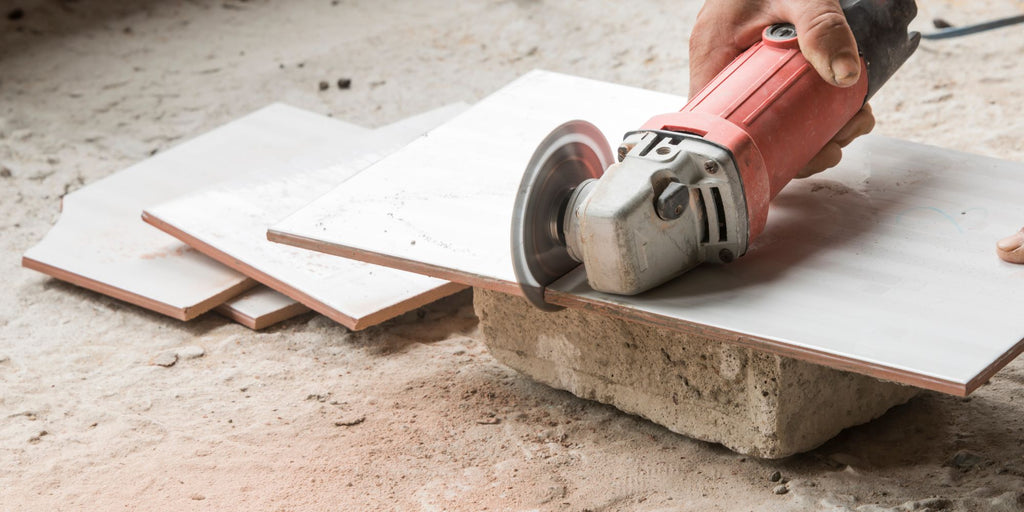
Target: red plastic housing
x=773, y=111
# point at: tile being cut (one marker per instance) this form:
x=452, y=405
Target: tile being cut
x=884, y=266
x=442, y=205
x=101, y=243
x=260, y=307
x=229, y=224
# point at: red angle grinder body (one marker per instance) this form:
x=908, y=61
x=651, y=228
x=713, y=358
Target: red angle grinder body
x=693, y=186
x=772, y=111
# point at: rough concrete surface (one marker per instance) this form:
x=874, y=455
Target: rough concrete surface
x=753, y=402
x=414, y=414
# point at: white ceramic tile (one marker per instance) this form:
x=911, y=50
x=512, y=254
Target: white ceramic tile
x=101, y=243
x=260, y=307
x=229, y=223
x=884, y=266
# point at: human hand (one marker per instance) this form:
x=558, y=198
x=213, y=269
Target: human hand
x=1011, y=248
x=726, y=28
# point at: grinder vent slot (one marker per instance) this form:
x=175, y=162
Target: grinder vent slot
x=704, y=215
x=723, y=229
x=654, y=143
x=657, y=139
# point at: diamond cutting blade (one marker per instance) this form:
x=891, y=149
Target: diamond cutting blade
x=574, y=152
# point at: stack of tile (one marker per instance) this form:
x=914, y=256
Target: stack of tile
x=102, y=243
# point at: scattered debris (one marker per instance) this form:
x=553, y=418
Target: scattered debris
x=165, y=359
x=344, y=83
x=376, y=84
x=38, y=437
x=554, y=492
x=319, y=397
x=324, y=85
x=169, y=358
x=965, y=460
x=4, y=358
x=780, y=489
x=931, y=504
x=775, y=477
x=191, y=352
x=350, y=422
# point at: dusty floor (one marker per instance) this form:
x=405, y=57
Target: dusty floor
x=412, y=415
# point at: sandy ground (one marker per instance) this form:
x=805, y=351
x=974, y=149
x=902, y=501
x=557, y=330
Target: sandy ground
x=414, y=414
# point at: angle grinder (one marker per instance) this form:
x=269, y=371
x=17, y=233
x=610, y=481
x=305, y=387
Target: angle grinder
x=693, y=186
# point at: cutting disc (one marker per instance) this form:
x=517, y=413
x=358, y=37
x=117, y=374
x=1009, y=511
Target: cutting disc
x=574, y=152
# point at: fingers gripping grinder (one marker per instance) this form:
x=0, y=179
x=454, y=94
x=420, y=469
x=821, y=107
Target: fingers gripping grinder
x=693, y=186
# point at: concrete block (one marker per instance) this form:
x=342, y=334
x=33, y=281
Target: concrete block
x=753, y=402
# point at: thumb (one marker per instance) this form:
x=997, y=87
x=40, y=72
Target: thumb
x=826, y=40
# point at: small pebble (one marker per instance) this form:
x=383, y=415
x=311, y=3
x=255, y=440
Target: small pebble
x=780, y=489
x=4, y=358
x=324, y=85
x=5, y=172
x=197, y=497
x=489, y=421
x=344, y=83
x=350, y=422
x=166, y=359
x=16, y=14
x=191, y=352
x=775, y=477
x=965, y=460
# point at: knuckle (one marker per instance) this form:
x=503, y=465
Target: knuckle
x=825, y=23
